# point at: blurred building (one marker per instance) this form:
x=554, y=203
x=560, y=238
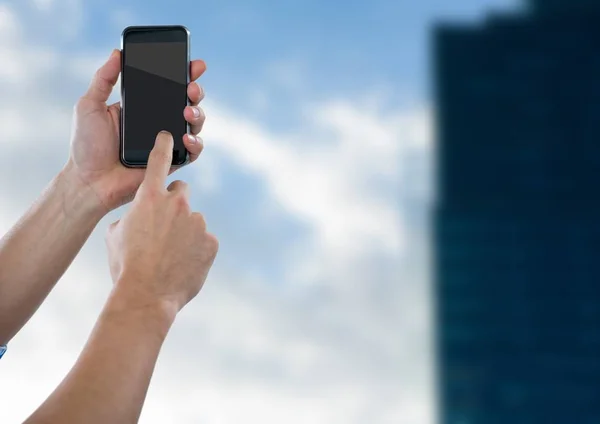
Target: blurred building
x=518, y=216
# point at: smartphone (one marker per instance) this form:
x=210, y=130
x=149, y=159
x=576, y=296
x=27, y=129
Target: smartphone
x=155, y=73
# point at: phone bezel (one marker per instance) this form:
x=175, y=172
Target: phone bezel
x=122, y=114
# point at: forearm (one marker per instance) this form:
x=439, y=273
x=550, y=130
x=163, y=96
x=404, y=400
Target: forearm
x=109, y=382
x=40, y=247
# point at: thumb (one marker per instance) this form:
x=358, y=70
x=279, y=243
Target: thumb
x=105, y=78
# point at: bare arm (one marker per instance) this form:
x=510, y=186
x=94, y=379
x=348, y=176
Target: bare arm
x=109, y=382
x=38, y=250
x=160, y=255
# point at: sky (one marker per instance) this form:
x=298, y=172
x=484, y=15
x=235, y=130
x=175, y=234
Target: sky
x=316, y=178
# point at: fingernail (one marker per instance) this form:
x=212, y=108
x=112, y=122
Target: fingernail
x=192, y=139
x=196, y=111
x=165, y=135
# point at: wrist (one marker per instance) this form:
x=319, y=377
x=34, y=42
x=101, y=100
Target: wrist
x=78, y=197
x=159, y=315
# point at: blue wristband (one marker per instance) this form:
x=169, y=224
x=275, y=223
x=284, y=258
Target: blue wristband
x=2, y=351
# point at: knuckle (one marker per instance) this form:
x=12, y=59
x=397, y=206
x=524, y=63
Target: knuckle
x=196, y=151
x=81, y=105
x=101, y=82
x=213, y=244
x=200, y=222
x=181, y=201
x=148, y=193
x=182, y=186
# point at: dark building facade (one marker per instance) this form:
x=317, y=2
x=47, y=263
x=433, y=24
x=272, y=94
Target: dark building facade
x=517, y=221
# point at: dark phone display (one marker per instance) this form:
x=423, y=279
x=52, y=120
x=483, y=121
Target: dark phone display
x=154, y=92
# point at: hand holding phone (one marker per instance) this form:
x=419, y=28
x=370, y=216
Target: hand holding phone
x=95, y=138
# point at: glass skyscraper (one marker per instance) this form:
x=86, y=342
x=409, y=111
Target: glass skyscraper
x=517, y=222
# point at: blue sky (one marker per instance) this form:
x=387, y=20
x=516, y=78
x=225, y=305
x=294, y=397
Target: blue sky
x=316, y=178
x=339, y=48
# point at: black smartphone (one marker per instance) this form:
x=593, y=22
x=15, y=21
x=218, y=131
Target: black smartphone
x=155, y=73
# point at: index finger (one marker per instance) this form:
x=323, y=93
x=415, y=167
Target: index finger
x=159, y=161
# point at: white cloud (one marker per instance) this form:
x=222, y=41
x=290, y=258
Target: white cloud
x=65, y=16
x=83, y=67
x=206, y=177
x=9, y=25
x=342, y=339
x=326, y=180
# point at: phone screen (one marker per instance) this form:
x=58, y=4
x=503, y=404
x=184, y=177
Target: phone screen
x=154, y=91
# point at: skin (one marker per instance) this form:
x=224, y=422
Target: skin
x=38, y=249
x=160, y=255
